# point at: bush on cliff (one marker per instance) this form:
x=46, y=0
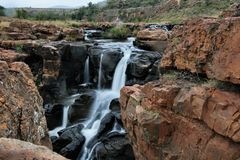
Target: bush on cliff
x=118, y=32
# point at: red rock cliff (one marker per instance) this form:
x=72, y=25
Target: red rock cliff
x=179, y=119
x=21, y=111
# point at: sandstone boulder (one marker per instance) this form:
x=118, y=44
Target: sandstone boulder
x=152, y=39
x=12, y=149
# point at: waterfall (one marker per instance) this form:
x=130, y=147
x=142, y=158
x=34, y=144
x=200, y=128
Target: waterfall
x=101, y=104
x=86, y=71
x=55, y=131
x=119, y=77
x=100, y=72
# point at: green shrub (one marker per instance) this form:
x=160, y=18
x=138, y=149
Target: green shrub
x=118, y=32
x=21, y=13
x=19, y=48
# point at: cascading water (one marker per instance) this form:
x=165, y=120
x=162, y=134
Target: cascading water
x=100, y=72
x=55, y=131
x=101, y=105
x=86, y=71
x=68, y=101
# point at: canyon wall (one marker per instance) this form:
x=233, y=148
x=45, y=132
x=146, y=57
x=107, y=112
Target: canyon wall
x=21, y=115
x=192, y=112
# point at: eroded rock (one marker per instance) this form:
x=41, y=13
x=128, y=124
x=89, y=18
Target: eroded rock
x=207, y=46
x=22, y=116
x=181, y=120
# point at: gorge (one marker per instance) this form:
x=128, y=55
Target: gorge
x=167, y=92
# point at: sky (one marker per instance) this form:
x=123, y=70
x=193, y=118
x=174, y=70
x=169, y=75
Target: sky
x=45, y=3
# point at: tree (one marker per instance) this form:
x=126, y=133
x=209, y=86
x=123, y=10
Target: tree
x=21, y=13
x=2, y=11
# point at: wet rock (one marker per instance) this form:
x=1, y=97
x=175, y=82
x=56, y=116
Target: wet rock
x=12, y=149
x=54, y=115
x=69, y=142
x=115, y=108
x=106, y=124
x=114, y=105
x=110, y=59
x=84, y=87
x=79, y=111
x=72, y=63
x=142, y=67
x=115, y=147
x=22, y=116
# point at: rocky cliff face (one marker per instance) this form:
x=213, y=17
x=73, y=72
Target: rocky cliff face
x=186, y=116
x=21, y=114
x=171, y=120
x=207, y=46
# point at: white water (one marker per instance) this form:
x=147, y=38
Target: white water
x=55, y=131
x=119, y=77
x=86, y=71
x=103, y=99
x=68, y=101
x=100, y=72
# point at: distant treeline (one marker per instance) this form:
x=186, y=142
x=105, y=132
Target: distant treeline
x=84, y=13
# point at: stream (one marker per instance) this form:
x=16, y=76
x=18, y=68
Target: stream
x=100, y=108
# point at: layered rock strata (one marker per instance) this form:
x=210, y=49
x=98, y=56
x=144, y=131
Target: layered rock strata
x=152, y=39
x=172, y=120
x=206, y=46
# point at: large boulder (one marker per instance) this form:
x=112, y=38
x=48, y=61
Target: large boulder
x=152, y=39
x=54, y=115
x=69, y=142
x=115, y=147
x=79, y=110
x=22, y=116
x=142, y=67
x=13, y=149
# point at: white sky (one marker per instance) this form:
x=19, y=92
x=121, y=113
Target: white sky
x=45, y=3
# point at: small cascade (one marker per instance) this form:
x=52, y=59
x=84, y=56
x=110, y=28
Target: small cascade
x=86, y=71
x=100, y=108
x=68, y=101
x=100, y=72
x=55, y=131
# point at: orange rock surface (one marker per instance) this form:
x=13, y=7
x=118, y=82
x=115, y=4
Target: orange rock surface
x=172, y=120
x=12, y=149
x=21, y=106
x=208, y=46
